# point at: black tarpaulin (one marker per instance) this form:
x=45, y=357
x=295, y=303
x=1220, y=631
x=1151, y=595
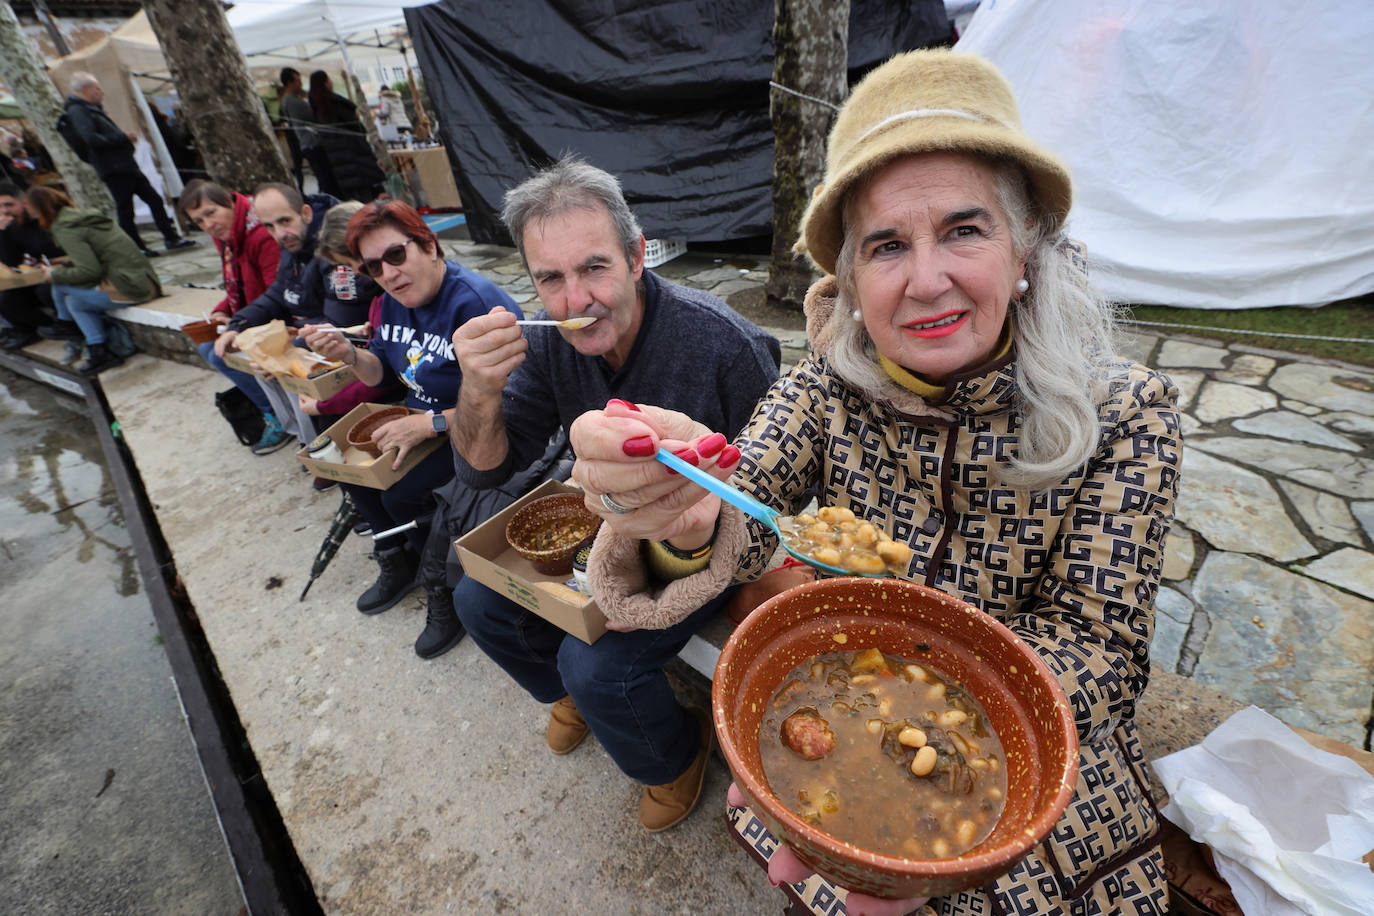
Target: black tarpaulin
x=671, y=97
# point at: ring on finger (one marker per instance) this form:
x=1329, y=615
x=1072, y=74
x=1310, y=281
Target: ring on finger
x=613, y=506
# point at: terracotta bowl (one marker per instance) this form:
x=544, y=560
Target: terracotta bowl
x=360, y=433
x=545, y=517
x=200, y=331
x=1022, y=699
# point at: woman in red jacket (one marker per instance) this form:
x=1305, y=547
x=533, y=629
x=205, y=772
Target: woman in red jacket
x=249, y=259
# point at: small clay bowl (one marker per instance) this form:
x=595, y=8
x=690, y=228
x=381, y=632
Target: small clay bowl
x=1023, y=701
x=360, y=434
x=545, y=519
x=200, y=331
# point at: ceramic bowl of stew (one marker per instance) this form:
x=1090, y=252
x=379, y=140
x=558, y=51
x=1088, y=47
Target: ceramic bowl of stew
x=549, y=531
x=1021, y=699
x=360, y=433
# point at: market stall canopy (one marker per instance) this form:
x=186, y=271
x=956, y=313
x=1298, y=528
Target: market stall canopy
x=1220, y=151
x=263, y=27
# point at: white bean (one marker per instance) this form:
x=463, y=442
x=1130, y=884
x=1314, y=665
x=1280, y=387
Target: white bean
x=923, y=762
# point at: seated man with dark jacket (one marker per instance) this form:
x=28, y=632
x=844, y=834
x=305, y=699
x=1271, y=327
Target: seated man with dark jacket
x=307, y=289
x=23, y=309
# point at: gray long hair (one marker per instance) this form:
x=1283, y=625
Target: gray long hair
x=1064, y=333
x=571, y=183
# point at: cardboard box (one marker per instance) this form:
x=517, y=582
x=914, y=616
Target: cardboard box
x=236, y=360
x=321, y=386
x=378, y=475
x=487, y=558
x=10, y=278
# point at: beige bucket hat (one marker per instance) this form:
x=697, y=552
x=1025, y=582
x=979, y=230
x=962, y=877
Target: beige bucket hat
x=920, y=102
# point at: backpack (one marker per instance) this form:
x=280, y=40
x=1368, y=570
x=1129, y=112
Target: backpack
x=242, y=414
x=118, y=340
x=78, y=143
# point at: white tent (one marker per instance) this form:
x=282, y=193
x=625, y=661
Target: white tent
x=1222, y=152
x=265, y=26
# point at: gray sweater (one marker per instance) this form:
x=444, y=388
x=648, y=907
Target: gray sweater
x=693, y=354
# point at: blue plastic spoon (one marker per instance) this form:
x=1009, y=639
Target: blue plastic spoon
x=754, y=509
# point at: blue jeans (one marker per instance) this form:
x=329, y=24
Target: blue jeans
x=83, y=305
x=617, y=682
x=244, y=381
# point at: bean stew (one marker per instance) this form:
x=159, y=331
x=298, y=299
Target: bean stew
x=835, y=536
x=884, y=753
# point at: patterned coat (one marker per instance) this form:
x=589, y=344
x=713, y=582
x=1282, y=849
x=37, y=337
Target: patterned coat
x=1073, y=571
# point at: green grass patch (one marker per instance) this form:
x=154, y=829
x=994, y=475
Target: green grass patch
x=1349, y=318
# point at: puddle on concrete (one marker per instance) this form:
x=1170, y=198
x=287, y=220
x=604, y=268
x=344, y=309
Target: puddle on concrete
x=100, y=781
x=53, y=466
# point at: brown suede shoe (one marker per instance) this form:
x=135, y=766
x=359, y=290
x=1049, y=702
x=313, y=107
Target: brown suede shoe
x=664, y=806
x=567, y=728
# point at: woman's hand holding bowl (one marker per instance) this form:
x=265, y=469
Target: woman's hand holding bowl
x=615, y=457
x=403, y=435
x=785, y=868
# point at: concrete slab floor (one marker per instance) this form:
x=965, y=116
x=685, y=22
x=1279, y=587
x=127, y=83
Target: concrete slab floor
x=407, y=786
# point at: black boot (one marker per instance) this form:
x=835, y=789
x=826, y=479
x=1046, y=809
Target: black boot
x=60, y=330
x=442, y=628
x=98, y=359
x=396, y=580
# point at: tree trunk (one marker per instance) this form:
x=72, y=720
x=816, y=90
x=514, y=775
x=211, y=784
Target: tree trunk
x=810, y=53
x=23, y=71
x=222, y=108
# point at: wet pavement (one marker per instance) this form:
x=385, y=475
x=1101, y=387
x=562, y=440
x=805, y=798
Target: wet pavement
x=103, y=808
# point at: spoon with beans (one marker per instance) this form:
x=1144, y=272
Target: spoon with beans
x=833, y=540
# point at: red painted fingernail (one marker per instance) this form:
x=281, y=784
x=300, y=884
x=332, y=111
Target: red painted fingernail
x=639, y=446
x=688, y=455
x=711, y=444
x=626, y=404
x=728, y=456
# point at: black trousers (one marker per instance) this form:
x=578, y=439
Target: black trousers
x=123, y=187
x=23, y=307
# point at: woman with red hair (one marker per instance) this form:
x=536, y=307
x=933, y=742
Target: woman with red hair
x=427, y=298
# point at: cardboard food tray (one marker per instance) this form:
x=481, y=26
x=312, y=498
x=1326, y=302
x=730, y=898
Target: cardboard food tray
x=487, y=558
x=322, y=386
x=378, y=475
x=11, y=278
x=240, y=361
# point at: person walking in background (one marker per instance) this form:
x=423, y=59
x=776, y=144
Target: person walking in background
x=248, y=261
x=298, y=116
x=111, y=152
x=391, y=116
x=107, y=271
x=356, y=174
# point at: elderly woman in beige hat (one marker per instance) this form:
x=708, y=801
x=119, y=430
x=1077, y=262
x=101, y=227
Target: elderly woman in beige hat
x=963, y=394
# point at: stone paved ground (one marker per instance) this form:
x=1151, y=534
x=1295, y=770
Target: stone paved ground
x=1269, y=576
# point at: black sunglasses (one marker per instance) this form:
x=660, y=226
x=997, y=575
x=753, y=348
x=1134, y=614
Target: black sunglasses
x=395, y=256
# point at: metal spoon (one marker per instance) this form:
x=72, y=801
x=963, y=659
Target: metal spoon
x=753, y=508
x=568, y=324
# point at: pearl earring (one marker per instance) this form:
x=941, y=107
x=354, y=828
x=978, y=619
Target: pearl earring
x=857, y=315
x=1022, y=285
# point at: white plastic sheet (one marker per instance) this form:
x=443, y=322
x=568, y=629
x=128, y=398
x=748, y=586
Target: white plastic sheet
x=1222, y=152
x=1287, y=823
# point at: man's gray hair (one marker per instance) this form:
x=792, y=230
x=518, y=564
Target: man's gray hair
x=571, y=183
x=81, y=79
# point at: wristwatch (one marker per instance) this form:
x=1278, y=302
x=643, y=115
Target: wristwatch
x=440, y=422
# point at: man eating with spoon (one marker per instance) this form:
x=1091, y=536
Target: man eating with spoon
x=652, y=339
